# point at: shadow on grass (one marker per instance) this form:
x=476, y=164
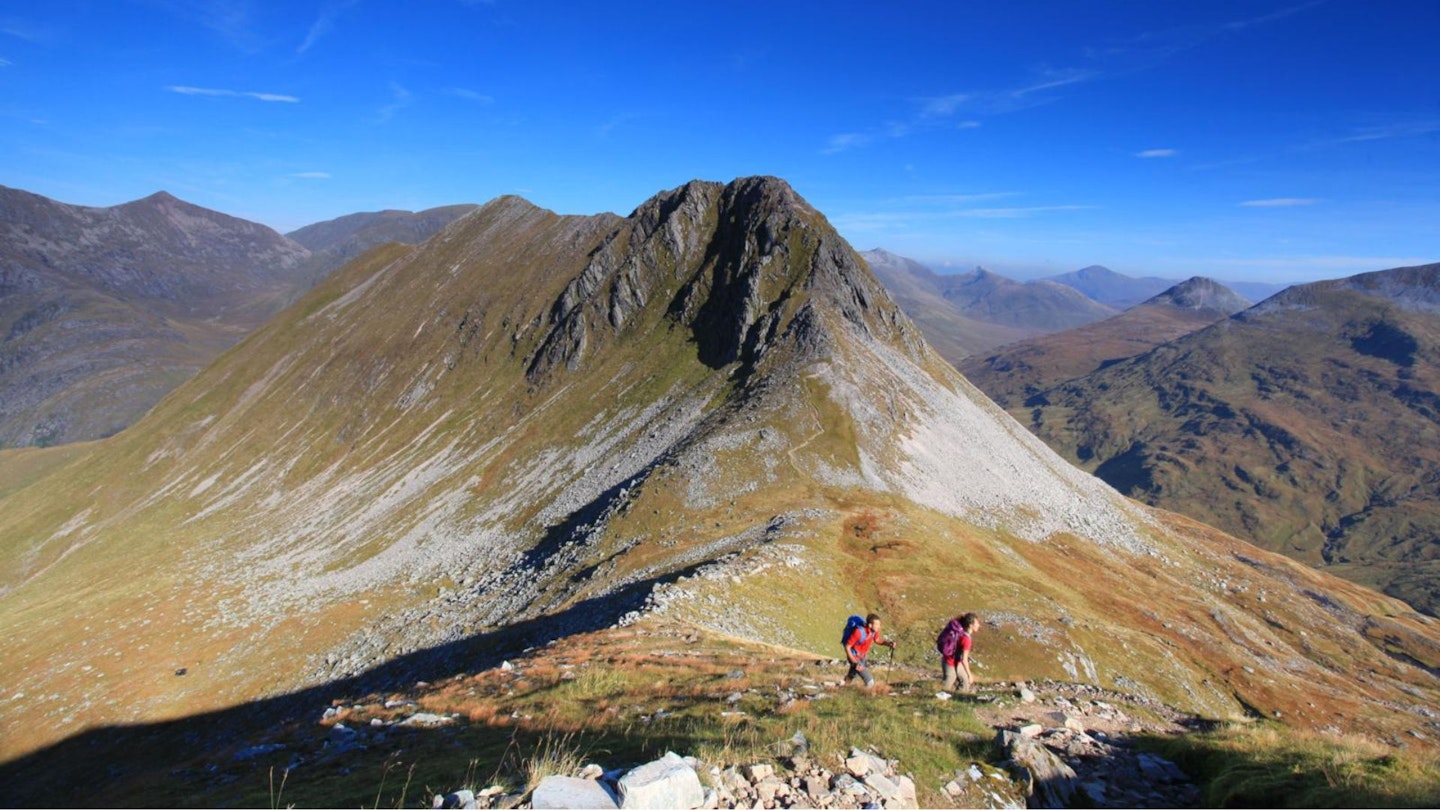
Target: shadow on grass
x=128, y=765
x=1270, y=766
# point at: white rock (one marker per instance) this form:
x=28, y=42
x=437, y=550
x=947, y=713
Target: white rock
x=427, y=720
x=664, y=784
x=882, y=785
x=562, y=792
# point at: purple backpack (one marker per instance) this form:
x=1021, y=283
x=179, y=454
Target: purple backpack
x=948, y=642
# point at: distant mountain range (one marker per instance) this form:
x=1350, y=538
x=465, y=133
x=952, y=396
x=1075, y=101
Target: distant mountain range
x=1309, y=424
x=105, y=310
x=533, y=426
x=965, y=314
x=1014, y=373
x=1122, y=292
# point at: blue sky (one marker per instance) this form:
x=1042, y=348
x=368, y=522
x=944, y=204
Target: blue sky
x=1260, y=140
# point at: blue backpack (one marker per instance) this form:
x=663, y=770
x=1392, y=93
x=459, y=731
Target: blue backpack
x=851, y=625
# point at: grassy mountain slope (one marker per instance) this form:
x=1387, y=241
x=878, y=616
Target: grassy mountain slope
x=1308, y=424
x=336, y=241
x=708, y=410
x=1024, y=369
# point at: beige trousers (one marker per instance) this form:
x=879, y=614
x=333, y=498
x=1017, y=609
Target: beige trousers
x=951, y=674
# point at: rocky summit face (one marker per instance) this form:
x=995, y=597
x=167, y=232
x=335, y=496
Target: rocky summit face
x=708, y=411
x=1306, y=424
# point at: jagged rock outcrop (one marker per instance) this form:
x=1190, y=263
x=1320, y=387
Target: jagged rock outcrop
x=732, y=264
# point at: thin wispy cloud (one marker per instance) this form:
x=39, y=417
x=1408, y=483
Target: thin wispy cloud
x=28, y=31
x=230, y=19
x=311, y=175
x=870, y=221
x=956, y=199
x=1241, y=25
x=324, y=23
x=400, y=99
x=4, y=63
x=187, y=90
x=470, y=95
x=1279, y=202
x=614, y=122
x=1154, y=47
x=937, y=112
x=1385, y=132
x=846, y=141
x=943, y=106
x=1020, y=211
x=1149, y=154
x=1052, y=78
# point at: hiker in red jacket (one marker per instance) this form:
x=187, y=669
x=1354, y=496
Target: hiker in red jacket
x=857, y=646
x=954, y=646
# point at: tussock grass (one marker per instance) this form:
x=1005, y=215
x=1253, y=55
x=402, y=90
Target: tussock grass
x=554, y=755
x=1276, y=766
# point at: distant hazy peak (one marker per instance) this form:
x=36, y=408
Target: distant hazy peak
x=1199, y=292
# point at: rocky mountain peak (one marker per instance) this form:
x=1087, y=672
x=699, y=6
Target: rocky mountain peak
x=741, y=265
x=1201, y=293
